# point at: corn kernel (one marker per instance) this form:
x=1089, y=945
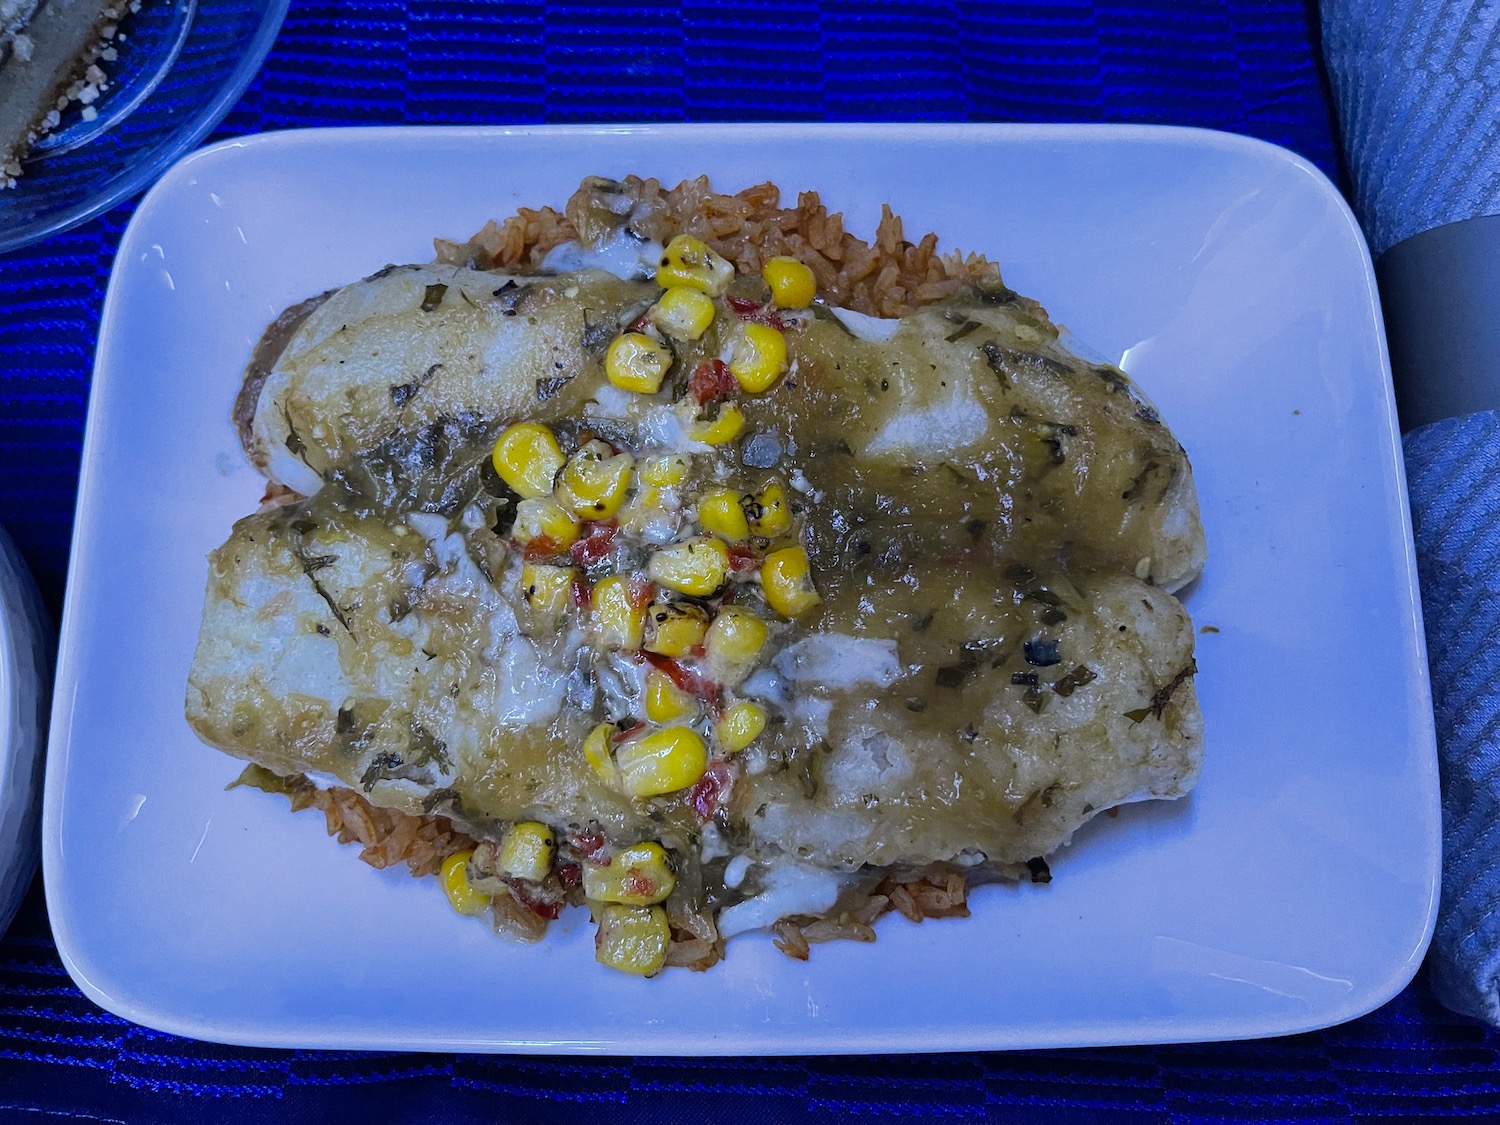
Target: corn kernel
x=636, y=362
x=721, y=512
x=617, y=622
x=689, y=261
x=758, y=357
x=683, y=313
x=735, y=637
x=665, y=469
x=596, y=753
x=792, y=283
x=666, y=701
x=637, y=876
x=739, y=726
x=729, y=424
x=633, y=939
x=547, y=589
x=696, y=567
x=455, y=879
x=771, y=514
x=544, y=518
x=674, y=628
x=527, y=457
x=786, y=578
x=594, y=481
x=663, y=761
x=526, y=851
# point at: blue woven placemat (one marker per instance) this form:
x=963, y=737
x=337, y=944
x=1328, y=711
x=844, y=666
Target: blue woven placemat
x=1244, y=66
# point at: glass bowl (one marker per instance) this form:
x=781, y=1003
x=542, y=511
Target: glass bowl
x=180, y=66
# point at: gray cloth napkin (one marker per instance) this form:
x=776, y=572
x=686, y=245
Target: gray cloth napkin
x=1417, y=83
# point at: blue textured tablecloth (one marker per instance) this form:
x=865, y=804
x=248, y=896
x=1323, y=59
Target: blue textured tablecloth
x=1240, y=65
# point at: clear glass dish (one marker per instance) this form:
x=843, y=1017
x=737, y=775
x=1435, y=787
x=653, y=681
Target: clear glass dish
x=181, y=65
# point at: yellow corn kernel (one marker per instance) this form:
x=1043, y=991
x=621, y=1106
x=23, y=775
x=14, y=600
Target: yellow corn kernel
x=786, y=578
x=739, y=726
x=683, y=313
x=674, y=628
x=663, y=761
x=596, y=753
x=632, y=939
x=758, y=357
x=729, y=424
x=544, y=518
x=771, y=514
x=455, y=879
x=527, y=457
x=547, y=589
x=594, y=481
x=617, y=622
x=688, y=261
x=792, y=284
x=666, y=701
x=664, y=469
x=526, y=851
x=637, y=876
x=696, y=567
x=722, y=512
x=636, y=362
x=735, y=637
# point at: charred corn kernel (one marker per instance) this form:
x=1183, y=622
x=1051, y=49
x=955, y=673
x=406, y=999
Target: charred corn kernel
x=455, y=879
x=664, y=470
x=722, y=512
x=739, y=726
x=527, y=458
x=735, y=637
x=695, y=567
x=596, y=752
x=526, y=851
x=666, y=701
x=632, y=939
x=758, y=357
x=674, y=629
x=771, y=514
x=725, y=428
x=637, y=876
x=636, y=362
x=786, y=578
x=594, y=481
x=547, y=589
x=544, y=518
x=683, y=313
x=617, y=622
x=792, y=284
x=689, y=261
x=663, y=761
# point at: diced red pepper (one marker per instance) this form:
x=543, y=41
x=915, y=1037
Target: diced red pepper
x=591, y=846
x=542, y=547
x=570, y=874
x=756, y=313
x=707, y=793
x=580, y=592
x=743, y=558
x=529, y=896
x=685, y=678
x=596, y=546
x=711, y=381
x=640, y=593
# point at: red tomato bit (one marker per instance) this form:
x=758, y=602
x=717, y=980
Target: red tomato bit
x=711, y=381
x=596, y=546
x=707, y=793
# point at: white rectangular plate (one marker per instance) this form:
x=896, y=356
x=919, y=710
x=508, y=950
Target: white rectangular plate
x=1293, y=890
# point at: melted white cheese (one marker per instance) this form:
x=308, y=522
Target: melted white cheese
x=789, y=888
x=623, y=255
x=836, y=660
x=871, y=329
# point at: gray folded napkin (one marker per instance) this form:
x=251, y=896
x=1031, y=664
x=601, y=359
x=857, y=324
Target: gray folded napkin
x=1417, y=84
